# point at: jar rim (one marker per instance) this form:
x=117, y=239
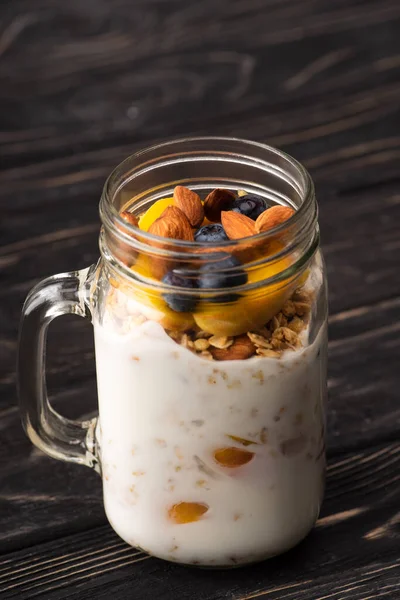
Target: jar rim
x=111, y=217
x=300, y=230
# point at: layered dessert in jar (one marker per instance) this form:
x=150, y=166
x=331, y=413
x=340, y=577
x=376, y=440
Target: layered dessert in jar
x=211, y=379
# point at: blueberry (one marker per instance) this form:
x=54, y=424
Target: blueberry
x=222, y=273
x=180, y=302
x=210, y=234
x=250, y=205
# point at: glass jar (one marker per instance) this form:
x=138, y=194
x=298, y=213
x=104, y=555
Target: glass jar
x=210, y=435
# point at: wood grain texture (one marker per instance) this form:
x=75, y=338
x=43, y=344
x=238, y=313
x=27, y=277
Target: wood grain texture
x=83, y=85
x=99, y=73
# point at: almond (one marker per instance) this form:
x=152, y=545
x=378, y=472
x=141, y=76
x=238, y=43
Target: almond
x=236, y=225
x=173, y=224
x=130, y=218
x=217, y=201
x=241, y=349
x=190, y=204
x=272, y=217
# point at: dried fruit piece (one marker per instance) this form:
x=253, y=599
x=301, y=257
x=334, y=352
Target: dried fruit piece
x=130, y=218
x=217, y=201
x=232, y=457
x=154, y=212
x=241, y=440
x=241, y=349
x=236, y=225
x=174, y=224
x=190, y=204
x=272, y=217
x=187, y=512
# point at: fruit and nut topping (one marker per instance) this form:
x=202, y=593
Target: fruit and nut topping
x=207, y=306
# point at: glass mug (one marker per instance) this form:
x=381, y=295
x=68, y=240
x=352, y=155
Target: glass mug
x=211, y=426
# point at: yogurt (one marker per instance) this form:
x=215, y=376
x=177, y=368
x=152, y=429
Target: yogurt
x=206, y=462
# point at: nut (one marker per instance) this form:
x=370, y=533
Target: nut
x=302, y=308
x=190, y=204
x=174, y=224
x=221, y=341
x=202, y=334
x=285, y=334
x=201, y=344
x=301, y=295
x=217, y=201
x=289, y=309
x=296, y=324
x=259, y=340
x=267, y=353
x=236, y=225
x=241, y=349
x=130, y=218
x=272, y=217
x=186, y=342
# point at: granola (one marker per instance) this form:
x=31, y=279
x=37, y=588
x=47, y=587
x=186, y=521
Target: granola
x=280, y=334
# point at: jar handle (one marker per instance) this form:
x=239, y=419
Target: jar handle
x=61, y=438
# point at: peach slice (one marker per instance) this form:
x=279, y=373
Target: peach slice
x=154, y=212
x=232, y=457
x=187, y=512
x=152, y=305
x=253, y=309
x=142, y=266
x=246, y=314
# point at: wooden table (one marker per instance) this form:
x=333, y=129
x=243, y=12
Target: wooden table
x=84, y=84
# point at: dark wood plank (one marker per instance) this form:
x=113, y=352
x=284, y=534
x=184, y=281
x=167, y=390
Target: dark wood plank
x=84, y=85
x=140, y=63
x=360, y=511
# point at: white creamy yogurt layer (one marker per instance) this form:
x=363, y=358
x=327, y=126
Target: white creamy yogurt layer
x=165, y=411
